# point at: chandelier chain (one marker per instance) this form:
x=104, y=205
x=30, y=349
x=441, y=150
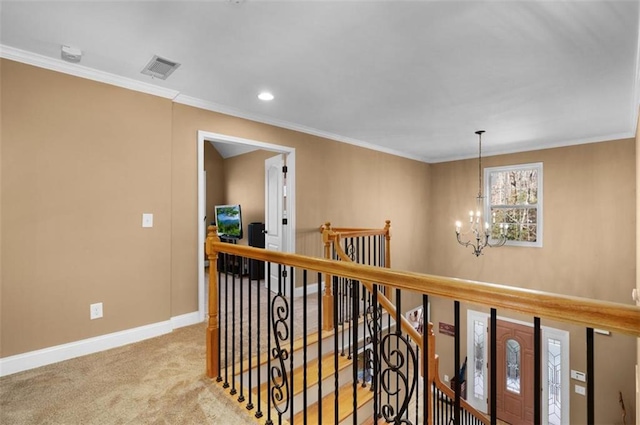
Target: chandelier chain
x=479, y=235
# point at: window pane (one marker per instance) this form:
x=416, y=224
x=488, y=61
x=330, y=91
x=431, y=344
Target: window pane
x=513, y=366
x=478, y=352
x=521, y=222
x=514, y=187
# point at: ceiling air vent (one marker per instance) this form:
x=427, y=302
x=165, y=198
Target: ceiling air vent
x=160, y=68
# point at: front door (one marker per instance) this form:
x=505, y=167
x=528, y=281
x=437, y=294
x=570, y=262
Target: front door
x=514, y=359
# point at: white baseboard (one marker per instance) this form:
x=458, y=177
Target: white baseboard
x=33, y=359
x=185, y=320
x=311, y=289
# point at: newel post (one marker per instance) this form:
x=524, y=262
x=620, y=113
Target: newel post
x=387, y=244
x=213, y=328
x=327, y=298
x=387, y=254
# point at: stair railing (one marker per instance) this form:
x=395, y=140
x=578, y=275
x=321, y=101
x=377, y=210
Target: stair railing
x=443, y=397
x=269, y=401
x=371, y=246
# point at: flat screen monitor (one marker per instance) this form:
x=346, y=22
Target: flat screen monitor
x=229, y=221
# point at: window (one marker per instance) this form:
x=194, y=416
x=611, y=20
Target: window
x=513, y=366
x=514, y=200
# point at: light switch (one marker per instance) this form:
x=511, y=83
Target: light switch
x=147, y=220
x=581, y=390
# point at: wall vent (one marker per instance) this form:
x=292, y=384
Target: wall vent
x=160, y=68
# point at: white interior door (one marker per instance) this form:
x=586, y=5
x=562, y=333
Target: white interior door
x=274, y=207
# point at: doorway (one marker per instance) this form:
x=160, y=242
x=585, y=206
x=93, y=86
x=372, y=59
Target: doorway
x=514, y=363
x=288, y=242
x=513, y=341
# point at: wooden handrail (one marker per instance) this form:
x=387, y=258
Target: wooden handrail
x=464, y=404
x=432, y=375
x=352, y=232
x=615, y=317
x=386, y=303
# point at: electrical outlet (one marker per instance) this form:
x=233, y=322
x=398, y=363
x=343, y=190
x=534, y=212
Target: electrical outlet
x=95, y=311
x=581, y=390
x=446, y=378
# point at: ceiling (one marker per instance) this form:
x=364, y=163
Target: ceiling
x=413, y=78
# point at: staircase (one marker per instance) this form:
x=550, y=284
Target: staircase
x=312, y=380
x=302, y=375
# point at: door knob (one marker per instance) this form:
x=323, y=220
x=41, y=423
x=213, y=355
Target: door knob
x=264, y=232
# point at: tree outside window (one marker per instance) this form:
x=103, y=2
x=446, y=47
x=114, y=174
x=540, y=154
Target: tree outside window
x=514, y=199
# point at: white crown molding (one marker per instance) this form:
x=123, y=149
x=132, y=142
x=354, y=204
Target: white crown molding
x=58, y=353
x=535, y=146
x=59, y=65
x=216, y=107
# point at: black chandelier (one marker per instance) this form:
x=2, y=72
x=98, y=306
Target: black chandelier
x=479, y=233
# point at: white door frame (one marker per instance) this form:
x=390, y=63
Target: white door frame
x=289, y=237
x=547, y=332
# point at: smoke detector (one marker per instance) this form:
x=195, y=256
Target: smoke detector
x=160, y=68
x=70, y=54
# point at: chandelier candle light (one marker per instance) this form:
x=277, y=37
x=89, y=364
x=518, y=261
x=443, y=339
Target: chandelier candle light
x=480, y=234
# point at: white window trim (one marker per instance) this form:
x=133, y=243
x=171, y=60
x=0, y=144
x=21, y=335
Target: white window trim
x=540, y=215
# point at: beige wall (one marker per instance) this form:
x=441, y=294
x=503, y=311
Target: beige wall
x=83, y=160
x=214, y=166
x=589, y=250
x=244, y=185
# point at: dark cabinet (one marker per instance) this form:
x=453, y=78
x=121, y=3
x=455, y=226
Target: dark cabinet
x=256, y=239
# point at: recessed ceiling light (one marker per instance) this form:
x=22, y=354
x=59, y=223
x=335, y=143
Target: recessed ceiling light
x=265, y=95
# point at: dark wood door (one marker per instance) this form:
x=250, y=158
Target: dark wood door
x=515, y=373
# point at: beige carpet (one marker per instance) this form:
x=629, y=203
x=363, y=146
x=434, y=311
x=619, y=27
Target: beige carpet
x=158, y=381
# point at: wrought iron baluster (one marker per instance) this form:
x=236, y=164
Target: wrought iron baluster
x=395, y=364
x=335, y=351
x=537, y=372
x=425, y=357
x=493, y=373
x=269, y=307
x=258, y=350
x=241, y=397
x=417, y=421
x=356, y=298
x=456, y=356
x=291, y=337
x=280, y=392
x=304, y=349
x=590, y=378
x=320, y=356
x=226, y=324
x=233, y=327
x=219, y=378
x=376, y=365
x=342, y=303
x=250, y=370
